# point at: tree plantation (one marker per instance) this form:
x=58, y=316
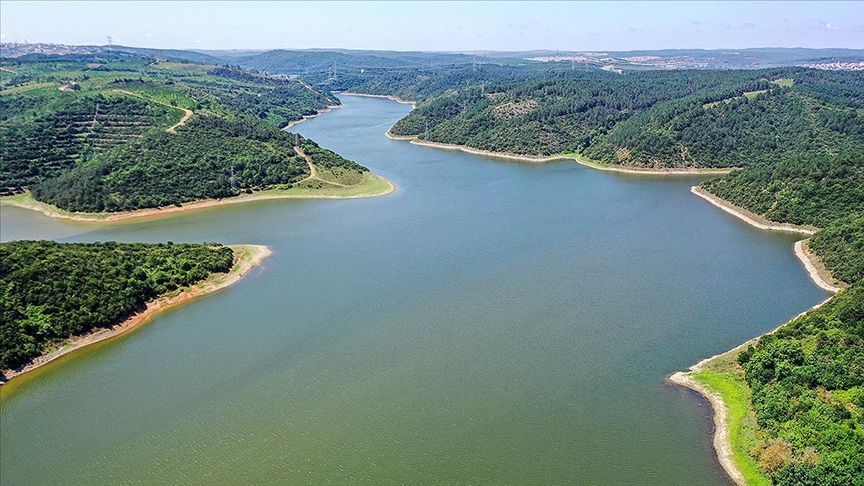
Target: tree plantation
x=119, y=132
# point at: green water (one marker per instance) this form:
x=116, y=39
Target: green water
x=491, y=322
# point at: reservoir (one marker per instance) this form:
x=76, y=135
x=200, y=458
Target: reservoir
x=491, y=322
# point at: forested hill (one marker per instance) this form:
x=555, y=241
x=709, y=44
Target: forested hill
x=117, y=131
x=650, y=119
x=798, y=133
x=53, y=291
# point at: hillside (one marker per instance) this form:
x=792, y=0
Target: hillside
x=116, y=131
x=798, y=133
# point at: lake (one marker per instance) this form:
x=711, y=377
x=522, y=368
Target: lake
x=490, y=322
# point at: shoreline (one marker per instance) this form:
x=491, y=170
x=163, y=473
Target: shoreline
x=553, y=158
x=414, y=139
x=55, y=212
x=391, y=98
x=817, y=271
x=721, y=442
x=751, y=218
x=306, y=117
x=246, y=257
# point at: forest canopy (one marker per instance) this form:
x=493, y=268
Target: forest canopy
x=52, y=291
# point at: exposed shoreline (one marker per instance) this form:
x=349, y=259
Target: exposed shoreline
x=306, y=117
x=818, y=274
x=749, y=217
x=246, y=257
x=722, y=445
x=553, y=158
x=414, y=139
x=721, y=442
x=55, y=212
x=391, y=98
x=817, y=271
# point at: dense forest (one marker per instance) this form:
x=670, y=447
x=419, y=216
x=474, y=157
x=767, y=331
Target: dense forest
x=648, y=119
x=807, y=381
x=100, y=133
x=53, y=291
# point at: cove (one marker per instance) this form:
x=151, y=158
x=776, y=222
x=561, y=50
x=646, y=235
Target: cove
x=490, y=322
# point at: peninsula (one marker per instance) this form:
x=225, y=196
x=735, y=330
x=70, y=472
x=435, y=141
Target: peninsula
x=130, y=283
x=124, y=136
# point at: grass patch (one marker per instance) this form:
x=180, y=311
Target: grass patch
x=29, y=87
x=727, y=380
x=341, y=175
x=163, y=96
x=371, y=185
x=183, y=66
x=749, y=94
x=784, y=82
x=752, y=94
x=585, y=160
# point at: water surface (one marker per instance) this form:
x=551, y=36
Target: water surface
x=491, y=322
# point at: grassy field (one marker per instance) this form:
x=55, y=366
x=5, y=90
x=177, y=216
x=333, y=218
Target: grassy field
x=371, y=185
x=723, y=376
x=784, y=82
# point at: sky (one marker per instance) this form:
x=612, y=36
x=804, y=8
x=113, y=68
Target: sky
x=438, y=26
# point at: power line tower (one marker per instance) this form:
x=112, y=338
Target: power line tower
x=110, y=41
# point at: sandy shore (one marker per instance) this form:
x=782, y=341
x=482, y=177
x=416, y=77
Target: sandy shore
x=817, y=271
x=55, y=212
x=246, y=257
x=749, y=217
x=306, y=117
x=722, y=446
x=543, y=159
x=391, y=98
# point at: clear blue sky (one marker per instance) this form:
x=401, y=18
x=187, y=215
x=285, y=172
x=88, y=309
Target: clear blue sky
x=451, y=26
